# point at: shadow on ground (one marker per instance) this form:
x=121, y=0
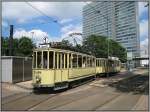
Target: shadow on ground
x=47, y=90
x=137, y=84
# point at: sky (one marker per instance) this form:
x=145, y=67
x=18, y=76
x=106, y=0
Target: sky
x=41, y=17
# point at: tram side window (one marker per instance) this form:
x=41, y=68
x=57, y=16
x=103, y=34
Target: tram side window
x=88, y=62
x=84, y=62
x=39, y=60
x=59, y=60
x=56, y=66
x=62, y=62
x=100, y=62
x=70, y=60
x=96, y=62
x=45, y=59
x=34, y=61
x=93, y=64
x=65, y=60
x=79, y=61
x=74, y=61
x=51, y=55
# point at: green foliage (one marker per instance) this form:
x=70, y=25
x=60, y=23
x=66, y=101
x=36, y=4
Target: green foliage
x=21, y=47
x=98, y=46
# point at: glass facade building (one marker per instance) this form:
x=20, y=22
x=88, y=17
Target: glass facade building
x=118, y=20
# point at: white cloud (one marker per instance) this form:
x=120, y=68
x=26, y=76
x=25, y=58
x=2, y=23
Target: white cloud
x=72, y=29
x=144, y=28
x=63, y=21
x=37, y=36
x=60, y=10
x=142, y=8
x=17, y=10
x=67, y=28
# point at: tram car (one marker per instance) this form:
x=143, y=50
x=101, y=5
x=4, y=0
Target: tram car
x=57, y=68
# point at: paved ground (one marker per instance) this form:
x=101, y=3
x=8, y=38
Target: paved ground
x=124, y=91
x=9, y=89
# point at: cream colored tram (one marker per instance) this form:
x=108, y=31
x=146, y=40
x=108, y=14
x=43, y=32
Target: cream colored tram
x=101, y=65
x=104, y=65
x=56, y=67
x=113, y=66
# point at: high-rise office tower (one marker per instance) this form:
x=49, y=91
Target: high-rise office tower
x=118, y=20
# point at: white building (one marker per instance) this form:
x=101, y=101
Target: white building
x=118, y=20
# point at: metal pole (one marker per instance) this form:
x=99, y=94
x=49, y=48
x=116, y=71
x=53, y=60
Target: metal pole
x=23, y=70
x=11, y=41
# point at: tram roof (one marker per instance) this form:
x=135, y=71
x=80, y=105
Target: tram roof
x=61, y=50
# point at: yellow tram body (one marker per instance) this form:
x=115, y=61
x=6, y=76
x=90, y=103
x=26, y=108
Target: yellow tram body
x=62, y=66
x=56, y=67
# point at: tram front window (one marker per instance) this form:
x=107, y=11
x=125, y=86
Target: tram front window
x=39, y=60
x=45, y=59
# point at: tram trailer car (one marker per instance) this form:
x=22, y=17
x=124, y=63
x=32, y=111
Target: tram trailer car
x=57, y=68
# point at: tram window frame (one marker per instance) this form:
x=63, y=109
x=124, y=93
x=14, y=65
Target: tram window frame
x=84, y=61
x=39, y=59
x=91, y=61
x=79, y=61
x=59, y=61
x=51, y=62
x=103, y=63
x=66, y=60
x=87, y=60
x=62, y=61
x=93, y=64
x=70, y=60
x=45, y=59
x=96, y=63
x=56, y=63
x=74, y=61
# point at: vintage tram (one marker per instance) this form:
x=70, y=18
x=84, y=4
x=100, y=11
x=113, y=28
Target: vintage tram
x=57, y=68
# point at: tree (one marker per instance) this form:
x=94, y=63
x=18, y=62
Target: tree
x=98, y=46
x=21, y=47
x=4, y=46
x=25, y=46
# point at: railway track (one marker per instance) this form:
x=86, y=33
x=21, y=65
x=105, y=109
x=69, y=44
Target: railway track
x=26, y=102
x=61, y=99
x=13, y=97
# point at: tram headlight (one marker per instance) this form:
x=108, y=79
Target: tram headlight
x=38, y=79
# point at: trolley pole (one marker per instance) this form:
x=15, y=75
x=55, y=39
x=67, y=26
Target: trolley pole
x=11, y=41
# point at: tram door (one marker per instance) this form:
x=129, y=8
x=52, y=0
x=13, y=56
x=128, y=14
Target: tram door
x=61, y=71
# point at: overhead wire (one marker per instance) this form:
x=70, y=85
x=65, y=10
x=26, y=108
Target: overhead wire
x=53, y=20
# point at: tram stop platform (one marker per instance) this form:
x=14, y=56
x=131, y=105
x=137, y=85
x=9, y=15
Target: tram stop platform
x=9, y=89
x=25, y=85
